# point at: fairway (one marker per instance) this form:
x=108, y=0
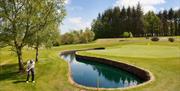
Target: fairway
x=89, y=45
x=160, y=58
x=141, y=51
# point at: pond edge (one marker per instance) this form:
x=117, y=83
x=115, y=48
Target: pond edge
x=150, y=76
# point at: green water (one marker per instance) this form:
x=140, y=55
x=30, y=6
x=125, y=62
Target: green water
x=94, y=74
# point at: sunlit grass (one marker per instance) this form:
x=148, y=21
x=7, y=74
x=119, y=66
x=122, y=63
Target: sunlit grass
x=142, y=51
x=161, y=58
x=52, y=71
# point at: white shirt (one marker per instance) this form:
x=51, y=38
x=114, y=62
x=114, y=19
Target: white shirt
x=30, y=65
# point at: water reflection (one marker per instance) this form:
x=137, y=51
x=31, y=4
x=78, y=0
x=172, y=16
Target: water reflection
x=94, y=74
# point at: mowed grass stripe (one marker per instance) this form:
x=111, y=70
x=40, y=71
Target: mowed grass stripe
x=141, y=51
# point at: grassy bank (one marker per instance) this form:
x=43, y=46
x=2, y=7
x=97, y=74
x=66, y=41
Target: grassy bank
x=160, y=58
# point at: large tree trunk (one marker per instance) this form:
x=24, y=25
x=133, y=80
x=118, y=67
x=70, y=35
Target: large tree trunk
x=37, y=53
x=20, y=61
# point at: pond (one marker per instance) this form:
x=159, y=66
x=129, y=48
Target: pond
x=94, y=74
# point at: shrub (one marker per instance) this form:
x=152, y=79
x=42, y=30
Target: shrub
x=127, y=34
x=147, y=37
x=154, y=39
x=171, y=39
x=56, y=43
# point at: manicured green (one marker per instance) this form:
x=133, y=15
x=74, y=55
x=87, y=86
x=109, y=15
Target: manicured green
x=141, y=51
x=52, y=71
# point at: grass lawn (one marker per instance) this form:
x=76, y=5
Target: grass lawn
x=141, y=51
x=52, y=71
x=160, y=58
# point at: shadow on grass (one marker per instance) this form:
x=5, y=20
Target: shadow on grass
x=16, y=82
x=10, y=72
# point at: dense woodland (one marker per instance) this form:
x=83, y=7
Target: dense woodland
x=116, y=22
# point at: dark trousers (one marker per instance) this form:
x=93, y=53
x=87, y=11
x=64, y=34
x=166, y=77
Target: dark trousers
x=31, y=71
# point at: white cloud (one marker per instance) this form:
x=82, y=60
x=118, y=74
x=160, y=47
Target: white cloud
x=146, y=4
x=67, y=1
x=77, y=8
x=75, y=20
x=148, y=8
x=74, y=23
x=176, y=8
x=78, y=21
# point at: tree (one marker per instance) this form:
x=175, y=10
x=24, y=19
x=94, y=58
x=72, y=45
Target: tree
x=115, y=22
x=13, y=33
x=122, y=21
x=112, y=23
x=139, y=21
x=129, y=20
x=45, y=38
x=165, y=23
x=152, y=23
x=177, y=22
x=49, y=16
x=77, y=36
x=67, y=38
x=20, y=20
x=97, y=27
x=88, y=35
x=171, y=20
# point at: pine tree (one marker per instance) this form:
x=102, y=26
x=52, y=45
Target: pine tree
x=171, y=20
x=165, y=23
x=139, y=21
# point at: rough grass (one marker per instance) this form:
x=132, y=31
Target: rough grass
x=52, y=71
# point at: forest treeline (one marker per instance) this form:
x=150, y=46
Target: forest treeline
x=115, y=22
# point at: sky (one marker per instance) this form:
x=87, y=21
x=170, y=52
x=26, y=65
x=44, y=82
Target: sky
x=80, y=13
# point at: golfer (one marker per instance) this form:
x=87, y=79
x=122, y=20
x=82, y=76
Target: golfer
x=30, y=70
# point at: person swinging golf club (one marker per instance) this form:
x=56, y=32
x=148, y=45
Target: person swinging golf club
x=30, y=70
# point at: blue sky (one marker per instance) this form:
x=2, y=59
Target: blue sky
x=80, y=13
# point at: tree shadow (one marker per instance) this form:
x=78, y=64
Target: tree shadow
x=10, y=72
x=16, y=82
